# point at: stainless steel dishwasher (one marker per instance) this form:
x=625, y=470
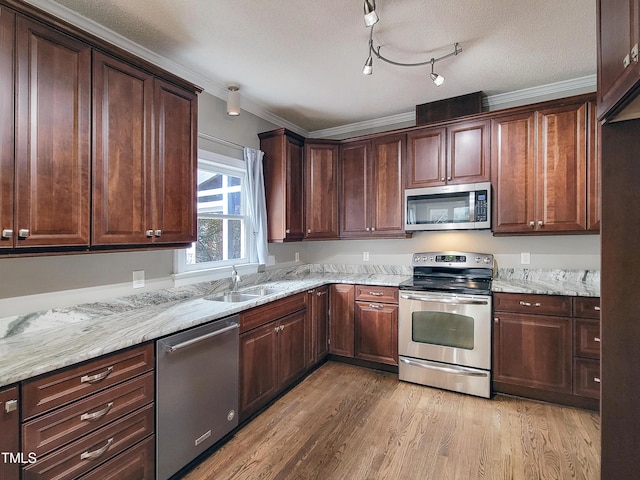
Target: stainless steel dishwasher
x=196, y=392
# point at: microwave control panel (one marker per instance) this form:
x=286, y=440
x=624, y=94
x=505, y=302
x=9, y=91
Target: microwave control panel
x=481, y=206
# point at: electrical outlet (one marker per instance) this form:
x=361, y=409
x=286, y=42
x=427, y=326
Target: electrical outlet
x=138, y=278
x=271, y=260
x=365, y=256
x=297, y=256
x=525, y=258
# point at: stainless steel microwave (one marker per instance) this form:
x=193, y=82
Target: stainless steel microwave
x=450, y=207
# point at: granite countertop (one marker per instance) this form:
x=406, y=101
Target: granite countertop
x=41, y=342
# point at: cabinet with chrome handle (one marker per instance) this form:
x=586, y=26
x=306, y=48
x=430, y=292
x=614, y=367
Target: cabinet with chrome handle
x=376, y=324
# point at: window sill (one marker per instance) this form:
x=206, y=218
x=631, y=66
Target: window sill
x=210, y=274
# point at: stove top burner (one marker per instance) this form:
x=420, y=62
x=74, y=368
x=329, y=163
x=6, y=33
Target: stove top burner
x=452, y=272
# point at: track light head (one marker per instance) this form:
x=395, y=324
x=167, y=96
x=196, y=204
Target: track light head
x=435, y=78
x=233, y=100
x=368, y=66
x=370, y=15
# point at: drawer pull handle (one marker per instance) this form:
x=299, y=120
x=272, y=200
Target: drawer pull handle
x=596, y=339
x=96, y=453
x=596, y=379
x=529, y=304
x=96, y=415
x=97, y=377
x=597, y=308
x=322, y=293
x=376, y=294
x=376, y=306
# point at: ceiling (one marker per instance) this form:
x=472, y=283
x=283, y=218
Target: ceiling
x=302, y=60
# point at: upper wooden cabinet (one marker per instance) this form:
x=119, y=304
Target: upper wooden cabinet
x=283, y=182
x=540, y=181
x=143, y=193
x=52, y=137
x=457, y=153
x=321, y=189
x=371, y=187
x=618, y=68
x=76, y=174
x=7, y=49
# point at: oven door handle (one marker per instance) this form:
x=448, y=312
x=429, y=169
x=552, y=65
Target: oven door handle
x=467, y=372
x=454, y=301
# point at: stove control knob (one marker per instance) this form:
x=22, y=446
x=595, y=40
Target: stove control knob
x=478, y=259
x=424, y=259
x=416, y=258
x=487, y=260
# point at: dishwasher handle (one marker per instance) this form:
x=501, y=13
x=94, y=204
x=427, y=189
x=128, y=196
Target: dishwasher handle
x=192, y=341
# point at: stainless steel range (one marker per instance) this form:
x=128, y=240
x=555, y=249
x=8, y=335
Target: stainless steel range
x=444, y=326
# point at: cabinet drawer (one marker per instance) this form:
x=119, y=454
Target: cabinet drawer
x=90, y=451
x=137, y=463
x=272, y=311
x=57, y=428
x=586, y=338
x=586, y=377
x=586, y=307
x=532, y=304
x=367, y=293
x=51, y=391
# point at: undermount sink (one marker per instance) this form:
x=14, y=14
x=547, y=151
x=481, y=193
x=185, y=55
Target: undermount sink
x=245, y=295
x=233, y=297
x=262, y=290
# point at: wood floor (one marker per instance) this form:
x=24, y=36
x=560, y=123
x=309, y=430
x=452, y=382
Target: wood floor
x=349, y=423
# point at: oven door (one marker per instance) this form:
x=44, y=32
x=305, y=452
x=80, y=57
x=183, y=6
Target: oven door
x=447, y=328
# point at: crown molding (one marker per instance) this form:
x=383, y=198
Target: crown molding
x=528, y=95
x=213, y=88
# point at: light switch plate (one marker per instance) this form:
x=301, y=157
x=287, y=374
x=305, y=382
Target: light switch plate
x=525, y=258
x=365, y=256
x=138, y=278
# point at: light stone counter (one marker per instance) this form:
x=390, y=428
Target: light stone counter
x=45, y=341
x=41, y=342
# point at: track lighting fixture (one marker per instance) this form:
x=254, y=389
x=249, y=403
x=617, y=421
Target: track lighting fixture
x=233, y=100
x=370, y=15
x=437, y=79
x=370, y=20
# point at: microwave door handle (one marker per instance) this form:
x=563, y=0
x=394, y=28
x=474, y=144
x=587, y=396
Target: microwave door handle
x=453, y=301
x=472, y=206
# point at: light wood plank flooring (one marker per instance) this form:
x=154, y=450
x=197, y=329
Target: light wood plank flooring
x=345, y=422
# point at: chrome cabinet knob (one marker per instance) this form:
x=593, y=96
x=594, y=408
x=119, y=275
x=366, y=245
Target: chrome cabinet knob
x=308, y=230
x=149, y=233
x=532, y=224
x=540, y=223
x=448, y=179
x=158, y=233
x=7, y=233
x=442, y=179
x=287, y=231
x=23, y=233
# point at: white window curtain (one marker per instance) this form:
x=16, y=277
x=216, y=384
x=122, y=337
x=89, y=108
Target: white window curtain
x=257, y=202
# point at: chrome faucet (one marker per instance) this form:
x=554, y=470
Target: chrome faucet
x=235, y=279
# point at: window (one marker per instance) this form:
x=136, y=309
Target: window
x=223, y=225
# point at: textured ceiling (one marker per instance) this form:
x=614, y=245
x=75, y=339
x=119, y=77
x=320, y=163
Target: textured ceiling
x=302, y=60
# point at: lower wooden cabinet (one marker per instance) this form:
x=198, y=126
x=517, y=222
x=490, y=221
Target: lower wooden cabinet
x=364, y=323
x=10, y=437
x=92, y=416
x=547, y=347
x=319, y=332
x=341, y=318
x=273, y=355
x=376, y=324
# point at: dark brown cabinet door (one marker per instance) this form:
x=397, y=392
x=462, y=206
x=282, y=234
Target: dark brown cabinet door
x=10, y=428
x=376, y=332
x=319, y=323
x=468, y=158
x=258, y=368
x=175, y=167
x=283, y=184
x=292, y=361
x=594, y=175
x=387, y=185
x=122, y=153
x=53, y=135
x=513, y=172
x=533, y=351
x=561, y=168
x=355, y=189
x=618, y=33
x=321, y=190
x=426, y=157
x=7, y=49
x=341, y=326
